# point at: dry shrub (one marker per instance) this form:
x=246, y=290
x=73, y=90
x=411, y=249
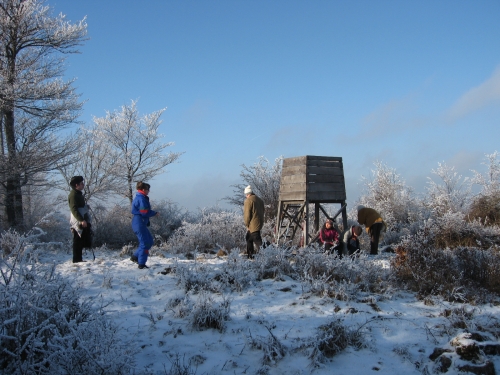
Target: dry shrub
x=206, y=313
x=333, y=338
x=452, y=231
x=341, y=278
x=272, y=262
x=213, y=230
x=486, y=209
x=113, y=227
x=464, y=273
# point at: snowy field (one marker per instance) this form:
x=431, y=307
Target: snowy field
x=273, y=324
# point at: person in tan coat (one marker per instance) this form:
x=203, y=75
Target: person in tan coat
x=253, y=216
x=373, y=223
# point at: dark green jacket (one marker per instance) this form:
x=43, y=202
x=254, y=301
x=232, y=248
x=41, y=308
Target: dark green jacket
x=76, y=201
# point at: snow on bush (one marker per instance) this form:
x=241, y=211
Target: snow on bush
x=342, y=278
x=486, y=206
x=451, y=194
x=207, y=313
x=387, y=193
x=47, y=329
x=237, y=273
x=214, y=229
x=272, y=262
x=462, y=273
x=13, y=243
x=332, y=338
x=180, y=305
x=272, y=348
x=197, y=277
x=113, y=227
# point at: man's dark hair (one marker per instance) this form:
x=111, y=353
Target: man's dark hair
x=75, y=180
x=142, y=186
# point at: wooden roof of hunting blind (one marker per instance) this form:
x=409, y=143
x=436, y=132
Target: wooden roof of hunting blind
x=316, y=179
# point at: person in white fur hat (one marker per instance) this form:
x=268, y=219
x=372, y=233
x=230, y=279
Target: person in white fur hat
x=253, y=215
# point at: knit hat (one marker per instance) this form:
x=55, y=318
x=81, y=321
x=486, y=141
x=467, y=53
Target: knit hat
x=360, y=207
x=248, y=190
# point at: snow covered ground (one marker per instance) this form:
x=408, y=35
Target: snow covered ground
x=399, y=332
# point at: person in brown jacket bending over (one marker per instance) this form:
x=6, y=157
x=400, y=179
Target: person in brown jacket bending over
x=253, y=215
x=374, y=224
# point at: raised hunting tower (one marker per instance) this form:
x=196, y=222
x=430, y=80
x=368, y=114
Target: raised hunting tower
x=308, y=180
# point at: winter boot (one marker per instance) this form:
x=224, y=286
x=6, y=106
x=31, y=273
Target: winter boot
x=142, y=266
x=134, y=259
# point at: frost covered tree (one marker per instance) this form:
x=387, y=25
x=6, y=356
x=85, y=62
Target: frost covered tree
x=95, y=159
x=486, y=205
x=451, y=194
x=264, y=178
x=137, y=150
x=34, y=101
x=388, y=194
x=489, y=181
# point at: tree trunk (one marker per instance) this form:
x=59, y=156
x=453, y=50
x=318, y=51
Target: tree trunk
x=13, y=194
x=130, y=191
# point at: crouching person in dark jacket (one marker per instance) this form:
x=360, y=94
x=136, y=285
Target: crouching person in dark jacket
x=351, y=239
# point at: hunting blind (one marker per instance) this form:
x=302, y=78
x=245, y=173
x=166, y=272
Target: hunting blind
x=308, y=180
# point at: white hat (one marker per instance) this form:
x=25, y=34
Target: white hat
x=248, y=190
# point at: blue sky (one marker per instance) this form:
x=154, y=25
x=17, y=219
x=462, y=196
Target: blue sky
x=408, y=83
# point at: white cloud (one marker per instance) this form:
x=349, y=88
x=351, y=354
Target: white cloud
x=394, y=117
x=478, y=97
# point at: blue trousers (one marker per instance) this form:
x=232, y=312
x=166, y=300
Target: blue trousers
x=145, y=239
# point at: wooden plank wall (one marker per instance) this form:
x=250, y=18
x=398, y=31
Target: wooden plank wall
x=313, y=178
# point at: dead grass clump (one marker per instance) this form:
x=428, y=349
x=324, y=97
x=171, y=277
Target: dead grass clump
x=333, y=338
x=209, y=314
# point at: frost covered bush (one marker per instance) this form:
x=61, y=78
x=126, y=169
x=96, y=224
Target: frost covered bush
x=387, y=193
x=169, y=219
x=113, y=227
x=213, y=230
x=55, y=227
x=271, y=262
x=47, y=329
x=342, y=278
x=15, y=244
x=11, y=242
x=455, y=229
x=332, y=338
x=180, y=305
x=273, y=350
x=207, y=313
x=486, y=206
x=196, y=278
x=451, y=194
x=236, y=273
x=486, y=209
x=463, y=273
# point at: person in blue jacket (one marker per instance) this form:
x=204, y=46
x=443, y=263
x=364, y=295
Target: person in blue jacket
x=141, y=209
